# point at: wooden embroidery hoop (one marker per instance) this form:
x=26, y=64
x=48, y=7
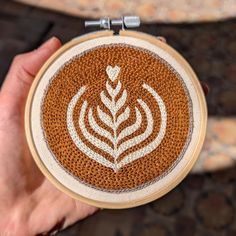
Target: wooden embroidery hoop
x=195, y=153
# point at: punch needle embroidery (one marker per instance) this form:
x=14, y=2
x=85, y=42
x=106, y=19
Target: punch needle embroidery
x=116, y=118
x=118, y=113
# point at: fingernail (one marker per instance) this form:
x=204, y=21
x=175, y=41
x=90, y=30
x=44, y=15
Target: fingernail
x=205, y=88
x=161, y=39
x=49, y=41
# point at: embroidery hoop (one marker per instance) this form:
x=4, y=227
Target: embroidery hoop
x=170, y=183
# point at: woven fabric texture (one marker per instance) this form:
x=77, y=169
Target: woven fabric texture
x=117, y=117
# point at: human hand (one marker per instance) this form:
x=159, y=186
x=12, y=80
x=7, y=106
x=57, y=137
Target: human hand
x=29, y=203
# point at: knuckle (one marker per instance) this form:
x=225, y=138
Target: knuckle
x=18, y=58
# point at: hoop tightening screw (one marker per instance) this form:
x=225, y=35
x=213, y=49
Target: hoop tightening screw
x=124, y=22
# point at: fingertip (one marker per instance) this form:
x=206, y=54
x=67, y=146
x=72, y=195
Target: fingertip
x=37, y=58
x=206, y=88
x=23, y=70
x=52, y=43
x=162, y=39
x=55, y=41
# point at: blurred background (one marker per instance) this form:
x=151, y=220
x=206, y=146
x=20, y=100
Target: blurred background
x=204, y=204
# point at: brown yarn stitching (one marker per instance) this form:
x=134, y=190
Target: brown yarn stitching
x=137, y=67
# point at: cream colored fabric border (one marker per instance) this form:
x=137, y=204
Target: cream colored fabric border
x=66, y=179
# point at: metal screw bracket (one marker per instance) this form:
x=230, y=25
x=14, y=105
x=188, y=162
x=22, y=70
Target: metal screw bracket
x=124, y=22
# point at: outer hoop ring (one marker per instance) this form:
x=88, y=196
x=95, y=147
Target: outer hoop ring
x=196, y=151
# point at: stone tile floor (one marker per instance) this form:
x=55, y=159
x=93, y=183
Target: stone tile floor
x=203, y=204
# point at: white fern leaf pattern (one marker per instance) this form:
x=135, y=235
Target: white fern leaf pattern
x=104, y=117
x=116, y=112
x=96, y=128
x=132, y=128
x=92, y=139
x=122, y=117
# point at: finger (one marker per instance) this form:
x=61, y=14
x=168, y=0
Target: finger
x=23, y=70
x=205, y=88
x=25, y=66
x=161, y=39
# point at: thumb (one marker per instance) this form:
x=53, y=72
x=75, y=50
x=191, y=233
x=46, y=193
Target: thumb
x=22, y=72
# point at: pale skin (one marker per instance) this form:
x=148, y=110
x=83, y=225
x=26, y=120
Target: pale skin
x=29, y=203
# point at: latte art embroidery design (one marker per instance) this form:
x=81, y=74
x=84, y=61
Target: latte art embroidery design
x=114, y=99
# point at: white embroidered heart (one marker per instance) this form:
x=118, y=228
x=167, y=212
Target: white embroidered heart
x=113, y=72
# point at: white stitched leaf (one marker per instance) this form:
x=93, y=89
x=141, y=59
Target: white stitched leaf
x=155, y=143
x=132, y=128
x=96, y=128
x=93, y=140
x=108, y=103
x=105, y=118
x=113, y=92
x=140, y=138
x=121, y=101
x=122, y=117
x=75, y=137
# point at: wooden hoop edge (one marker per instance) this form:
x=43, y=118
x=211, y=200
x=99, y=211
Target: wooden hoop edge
x=154, y=196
